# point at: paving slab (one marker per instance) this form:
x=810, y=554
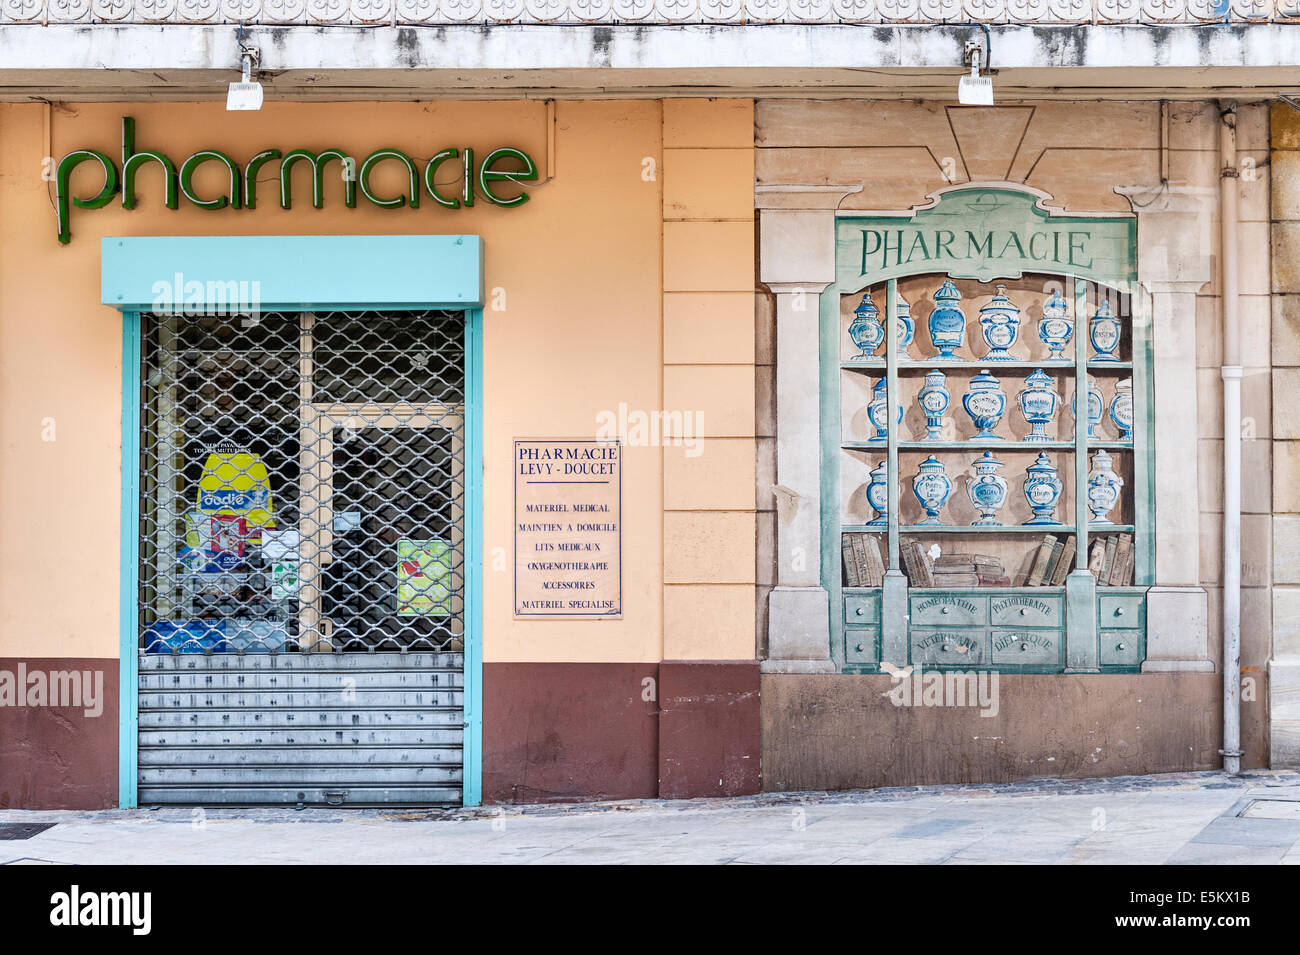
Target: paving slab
x=1182, y=818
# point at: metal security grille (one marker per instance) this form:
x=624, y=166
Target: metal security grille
x=301, y=601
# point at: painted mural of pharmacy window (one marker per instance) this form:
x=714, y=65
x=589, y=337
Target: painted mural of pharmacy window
x=1010, y=487
x=302, y=482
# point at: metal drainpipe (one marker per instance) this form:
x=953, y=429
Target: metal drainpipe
x=1231, y=374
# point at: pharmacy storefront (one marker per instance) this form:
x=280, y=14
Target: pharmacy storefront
x=349, y=434
x=452, y=453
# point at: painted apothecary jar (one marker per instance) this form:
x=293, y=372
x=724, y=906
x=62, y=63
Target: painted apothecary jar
x=931, y=487
x=1038, y=404
x=1042, y=490
x=906, y=325
x=878, y=495
x=985, y=403
x=988, y=491
x=1056, y=328
x=867, y=331
x=947, y=322
x=1000, y=324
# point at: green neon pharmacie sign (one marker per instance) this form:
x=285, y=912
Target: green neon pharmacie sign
x=485, y=178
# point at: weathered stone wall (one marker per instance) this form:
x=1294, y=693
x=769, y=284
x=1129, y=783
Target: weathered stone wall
x=1284, y=665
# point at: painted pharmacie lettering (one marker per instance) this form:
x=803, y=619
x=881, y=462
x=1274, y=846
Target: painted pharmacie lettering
x=886, y=248
x=502, y=165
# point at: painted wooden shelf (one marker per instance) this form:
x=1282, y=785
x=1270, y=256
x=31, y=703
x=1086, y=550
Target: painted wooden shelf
x=986, y=445
x=969, y=528
x=952, y=446
x=1094, y=530
x=992, y=589
x=912, y=365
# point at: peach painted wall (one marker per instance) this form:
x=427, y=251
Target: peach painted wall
x=581, y=331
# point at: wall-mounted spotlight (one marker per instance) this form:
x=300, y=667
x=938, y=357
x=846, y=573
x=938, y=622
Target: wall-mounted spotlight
x=247, y=93
x=976, y=90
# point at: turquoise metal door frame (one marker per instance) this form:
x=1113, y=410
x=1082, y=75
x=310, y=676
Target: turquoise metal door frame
x=335, y=273
x=472, y=760
x=128, y=695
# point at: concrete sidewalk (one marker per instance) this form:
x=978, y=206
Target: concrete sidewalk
x=1179, y=818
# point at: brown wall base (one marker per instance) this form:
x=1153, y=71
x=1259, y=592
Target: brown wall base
x=562, y=732
x=567, y=732
x=844, y=732
x=708, y=729
x=58, y=757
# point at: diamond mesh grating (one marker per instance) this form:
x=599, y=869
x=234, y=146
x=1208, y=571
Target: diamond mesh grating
x=302, y=482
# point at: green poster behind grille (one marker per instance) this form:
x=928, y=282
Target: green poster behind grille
x=423, y=578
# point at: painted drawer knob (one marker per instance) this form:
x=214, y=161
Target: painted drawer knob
x=1120, y=646
x=1119, y=611
x=943, y=610
x=860, y=648
x=1024, y=647
x=947, y=647
x=1023, y=611
x=860, y=611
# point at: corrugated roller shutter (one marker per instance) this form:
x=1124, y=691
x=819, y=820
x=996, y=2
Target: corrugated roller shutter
x=340, y=729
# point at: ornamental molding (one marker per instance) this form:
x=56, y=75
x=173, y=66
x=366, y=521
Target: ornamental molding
x=561, y=12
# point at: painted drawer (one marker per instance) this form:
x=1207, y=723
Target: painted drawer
x=861, y=646
x=1120, y=611
x=1028, y=647
x=948, y=610
x=1120, y=648
x=1027, y=610
x=861, y=609
x=960, y=649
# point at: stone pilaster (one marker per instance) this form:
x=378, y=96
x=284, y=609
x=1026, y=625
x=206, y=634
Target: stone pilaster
x=1174, y=264
x=797, y=262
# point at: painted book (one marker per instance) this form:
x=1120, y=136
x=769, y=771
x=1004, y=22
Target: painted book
x=1058, y=549
x=1119, y=570
x=927, y=566
x=1066, y=563
x=850, y=562
x=905, y=552
x=875, y=562
x=860, y=558
x=1107, y=561
x=1039, y=567
x=1095, y=557
x=956, y=579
